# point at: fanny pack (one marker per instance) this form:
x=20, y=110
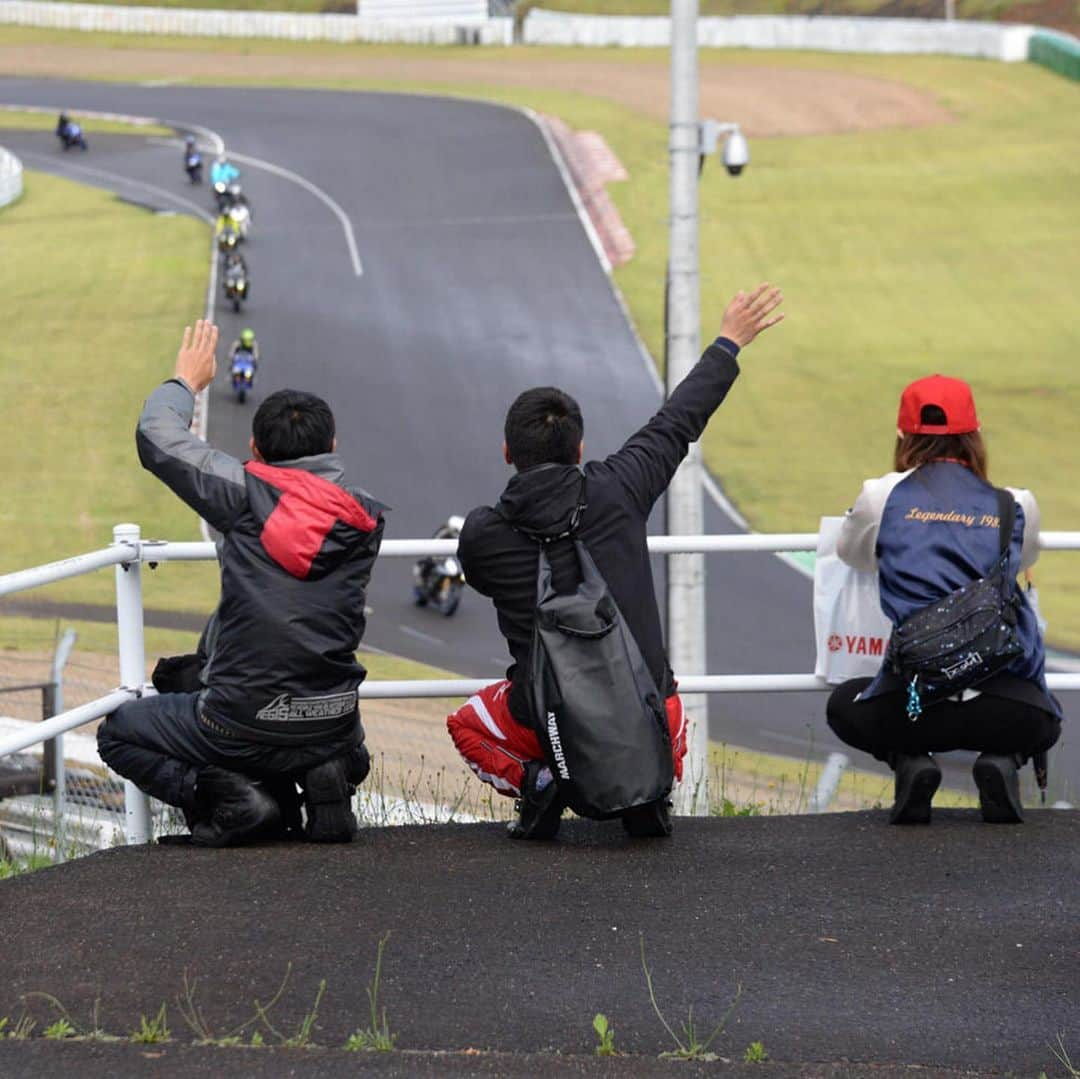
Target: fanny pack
x=964, y=638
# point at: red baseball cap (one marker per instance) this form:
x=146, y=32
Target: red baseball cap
x=951, y=395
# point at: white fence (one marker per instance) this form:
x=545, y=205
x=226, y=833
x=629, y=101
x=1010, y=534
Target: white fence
x=193, y=22
x=461, y=12
x=10, y=177
x=826, y=33
x=129, y=551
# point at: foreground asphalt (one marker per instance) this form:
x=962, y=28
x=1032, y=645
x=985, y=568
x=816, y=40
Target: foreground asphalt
x=851, y=947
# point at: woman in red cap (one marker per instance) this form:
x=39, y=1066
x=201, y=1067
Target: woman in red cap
x=930, y=528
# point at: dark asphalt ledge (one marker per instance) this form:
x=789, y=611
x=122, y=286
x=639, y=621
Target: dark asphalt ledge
x=954, y=947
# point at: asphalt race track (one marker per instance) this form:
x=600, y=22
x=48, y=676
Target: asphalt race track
x=477, y=281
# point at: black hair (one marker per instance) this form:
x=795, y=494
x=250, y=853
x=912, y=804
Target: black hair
x=291, y=424
x=543, y=426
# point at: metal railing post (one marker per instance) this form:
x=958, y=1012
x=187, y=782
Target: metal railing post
x=129, y=632
x=56, y=745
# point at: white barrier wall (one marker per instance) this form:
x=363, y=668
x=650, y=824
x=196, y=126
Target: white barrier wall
x=456, y=11
x=191, y=22
x=10, y=177
x=824, y=33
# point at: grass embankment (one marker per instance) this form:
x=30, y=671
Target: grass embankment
x=96, y=293
x=14, y=119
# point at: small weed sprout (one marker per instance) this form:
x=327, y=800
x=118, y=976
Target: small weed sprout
x=59, y=1030
x=193, y=1016
x=1063, y=1056
x=756, y=1053
x=301, y=1038
x=256, y=1040
x=689, y=1046
x=93, y=1033
x=152, y=1031
x=376, y=1037
x=606, y=1033
x=20, y=1030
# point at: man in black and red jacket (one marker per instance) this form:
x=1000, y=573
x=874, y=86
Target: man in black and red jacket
x=278, y=703
x=493, y=731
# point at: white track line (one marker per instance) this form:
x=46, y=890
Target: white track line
x=319, y=193
x=117, y=178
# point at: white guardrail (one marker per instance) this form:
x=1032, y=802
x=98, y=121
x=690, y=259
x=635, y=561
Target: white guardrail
x=292, y=26
x=10, y=177
x=825, y=33
x=129, y=551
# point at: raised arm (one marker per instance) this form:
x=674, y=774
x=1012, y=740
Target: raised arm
x=209, y=481
x=648, y=459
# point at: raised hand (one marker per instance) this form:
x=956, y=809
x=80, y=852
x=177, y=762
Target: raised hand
x=748, y=314
x=196, y=362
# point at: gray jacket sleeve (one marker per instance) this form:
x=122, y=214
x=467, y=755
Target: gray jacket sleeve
x=209, y=481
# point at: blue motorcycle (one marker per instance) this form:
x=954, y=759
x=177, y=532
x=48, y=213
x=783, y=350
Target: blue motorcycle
x=243, y=374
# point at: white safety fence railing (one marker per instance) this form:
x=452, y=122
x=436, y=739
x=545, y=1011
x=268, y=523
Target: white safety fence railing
x=129, y=551
x=826, y=33
x=11, y=177
x=236, y=23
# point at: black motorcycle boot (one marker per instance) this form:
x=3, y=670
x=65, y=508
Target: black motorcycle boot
x=998, y=778
x=917, y=778
x=539, y=811
x=328, y=801
x=284, y=791
x=650, y=821
x=231, y=809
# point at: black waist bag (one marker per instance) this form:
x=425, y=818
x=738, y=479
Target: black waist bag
x=597, y=710
x=966, y=637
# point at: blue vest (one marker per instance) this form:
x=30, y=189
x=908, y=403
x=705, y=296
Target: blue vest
x=939, y=532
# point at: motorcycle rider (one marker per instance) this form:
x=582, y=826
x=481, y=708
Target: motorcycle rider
x=223, y=171
x=449, y=529
x=245, y=343
x=62, y=124
x=192, y=156
x=236, y=270
x=225, y=229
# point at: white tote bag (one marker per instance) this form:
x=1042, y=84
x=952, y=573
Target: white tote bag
x=851, y=630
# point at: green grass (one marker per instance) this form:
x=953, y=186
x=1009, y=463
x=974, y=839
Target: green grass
x=102, y=291
x=20, y=120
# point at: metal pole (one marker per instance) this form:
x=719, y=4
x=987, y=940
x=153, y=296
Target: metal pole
x=685, y=499
x=56, y=745
x=129, y=631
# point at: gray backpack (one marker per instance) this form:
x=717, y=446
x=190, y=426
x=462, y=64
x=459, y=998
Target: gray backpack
x=598, y=713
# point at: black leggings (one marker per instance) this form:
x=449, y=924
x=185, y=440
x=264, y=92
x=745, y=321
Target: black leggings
x=984, y=724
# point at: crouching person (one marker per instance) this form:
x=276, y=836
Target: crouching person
x=278, y=703
x=605, y=506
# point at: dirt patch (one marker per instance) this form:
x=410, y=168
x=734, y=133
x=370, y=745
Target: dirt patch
x=767, y=100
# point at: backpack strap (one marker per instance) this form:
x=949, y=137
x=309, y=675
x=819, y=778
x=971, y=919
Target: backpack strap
x=1006, y=518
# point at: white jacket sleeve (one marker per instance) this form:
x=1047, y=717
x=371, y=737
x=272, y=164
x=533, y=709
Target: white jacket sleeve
x=1032, y=523
x=857, y=542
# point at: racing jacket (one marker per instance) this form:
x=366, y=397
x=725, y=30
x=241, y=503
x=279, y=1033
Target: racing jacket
x=296, y=550
x=930, y=531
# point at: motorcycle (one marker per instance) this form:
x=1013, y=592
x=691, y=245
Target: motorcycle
x=236, y=290
x=193, y=166
x=72, y=135
x=242, y=374
x=228, y=240
x=438, y=583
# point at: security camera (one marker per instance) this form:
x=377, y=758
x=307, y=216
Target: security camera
x=736, y=153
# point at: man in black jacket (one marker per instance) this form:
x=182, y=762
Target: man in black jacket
x=493, y=731
x=278, y=704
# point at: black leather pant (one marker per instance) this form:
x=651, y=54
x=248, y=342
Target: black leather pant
x=159, y=743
